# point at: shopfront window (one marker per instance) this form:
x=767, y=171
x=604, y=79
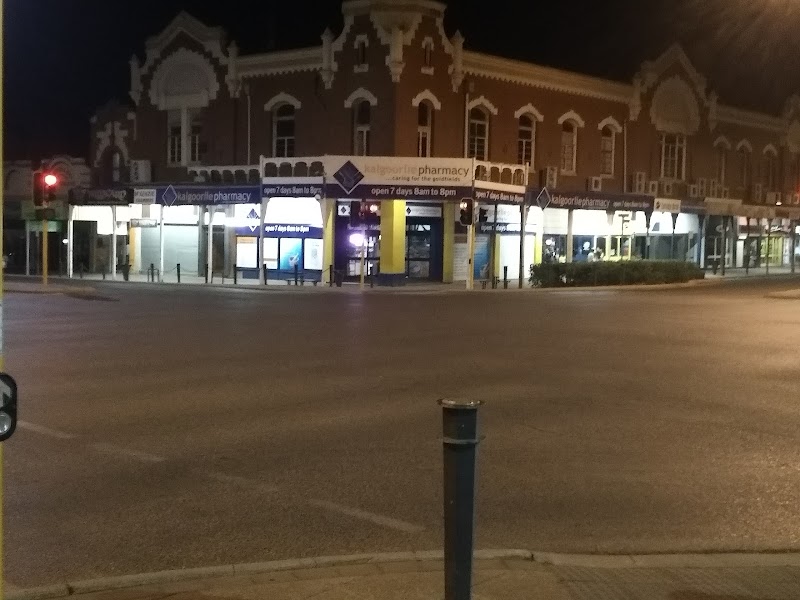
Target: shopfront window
x=418, y=251
x=478, y=134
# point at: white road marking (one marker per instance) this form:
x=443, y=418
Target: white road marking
x=241, y=481
x=364, y=515
x=59, y=435
x=341, y=509
x=118, y=451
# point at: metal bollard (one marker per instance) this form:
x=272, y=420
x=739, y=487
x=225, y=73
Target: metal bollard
x=296, y=273
x=330, y=276
x=152, y=274
x=205, y=272
x=505, y=277
x=178, y=271
x=265, y=273
x=235, y=275
x=460, y=439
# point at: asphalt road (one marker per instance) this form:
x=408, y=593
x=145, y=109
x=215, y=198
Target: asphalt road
x=188, y=427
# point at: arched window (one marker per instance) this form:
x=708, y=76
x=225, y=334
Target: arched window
x=195, y=133
x=478, y=139
x=526, y=137
x=427, y=54
x=424, y=128
x=362, y=118
x=116, y=166
x=174, y=138
x=745, y=166
x=283, y=125
x=673, y=156
x=361, y=53
x=607, y=143
x=569, y=147
x=770, y=178
x=722, y=161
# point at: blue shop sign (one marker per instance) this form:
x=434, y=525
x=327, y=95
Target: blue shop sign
x=398, y=192
x=591, y=200
x=182, y=195
x=292, y=190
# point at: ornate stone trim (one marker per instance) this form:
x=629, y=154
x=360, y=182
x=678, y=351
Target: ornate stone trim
x=482, y=101
x=571, y=115
x=426, y=95
x=360, y=94
x=282, y=98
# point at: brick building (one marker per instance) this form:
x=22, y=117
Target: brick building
x=656, y=166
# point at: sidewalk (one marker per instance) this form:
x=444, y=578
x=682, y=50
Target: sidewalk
x=498, y=575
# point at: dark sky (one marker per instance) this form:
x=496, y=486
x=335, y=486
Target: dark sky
x=64, y=58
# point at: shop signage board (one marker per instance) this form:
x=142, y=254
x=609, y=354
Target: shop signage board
x=490, y=192
x=193, y=195
x=100, y=196
x=667, y=205
x=282, y=230
x=144, y=222
x=279, y=187
x=592, y=200
x=398, y=178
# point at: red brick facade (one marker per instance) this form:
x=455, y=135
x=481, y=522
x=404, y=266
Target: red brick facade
x=192, y=67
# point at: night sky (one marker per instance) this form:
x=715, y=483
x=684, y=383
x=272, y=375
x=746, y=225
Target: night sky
x=65, y=58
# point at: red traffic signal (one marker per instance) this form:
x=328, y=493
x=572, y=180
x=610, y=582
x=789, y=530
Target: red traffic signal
x=50, y=180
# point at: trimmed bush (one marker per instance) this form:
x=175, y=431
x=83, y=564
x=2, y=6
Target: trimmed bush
x=630, y=272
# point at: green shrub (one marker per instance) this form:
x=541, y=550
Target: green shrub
x=631, y=272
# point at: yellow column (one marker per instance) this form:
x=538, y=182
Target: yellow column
x=449, y=235
x=328, y=207
x=497, y=268
x=538, y=247
x=393, y=242
x=133, y=234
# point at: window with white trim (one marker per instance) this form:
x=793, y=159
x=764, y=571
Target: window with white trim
x=174, y=138
x=673, y=156
x=770, y=171
x=362, y=119
x=745, y=166
x=195, y=135
x=569, y=147
x=283, y=125
x=478, y=138
x=607, y=143
x=424, y=129
x=526, y=138
x=427, y=56
x=722, y=163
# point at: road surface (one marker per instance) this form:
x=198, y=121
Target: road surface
x=183, y=427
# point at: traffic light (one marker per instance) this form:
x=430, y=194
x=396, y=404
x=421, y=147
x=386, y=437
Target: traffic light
x=50, y=181
x=483, y=215
x=37, y=189
x=363, y=212
x=467, y=216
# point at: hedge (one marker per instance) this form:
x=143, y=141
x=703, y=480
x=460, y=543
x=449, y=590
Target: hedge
x=631, y=272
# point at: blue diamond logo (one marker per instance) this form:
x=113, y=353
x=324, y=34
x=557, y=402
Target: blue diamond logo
x=348, y=176
x=169, y=196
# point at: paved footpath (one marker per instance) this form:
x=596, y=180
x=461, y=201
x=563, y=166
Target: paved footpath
x=499, y=575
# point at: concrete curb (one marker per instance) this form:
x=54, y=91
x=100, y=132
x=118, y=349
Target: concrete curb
x=726, y=560
x=180, y=575
x=786, y=295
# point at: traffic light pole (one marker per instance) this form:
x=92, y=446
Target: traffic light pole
x=363, y=261
x=44, y=250
x=471, y=254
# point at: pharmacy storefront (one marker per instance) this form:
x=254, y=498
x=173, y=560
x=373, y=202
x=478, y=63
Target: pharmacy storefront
x=595, y=226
